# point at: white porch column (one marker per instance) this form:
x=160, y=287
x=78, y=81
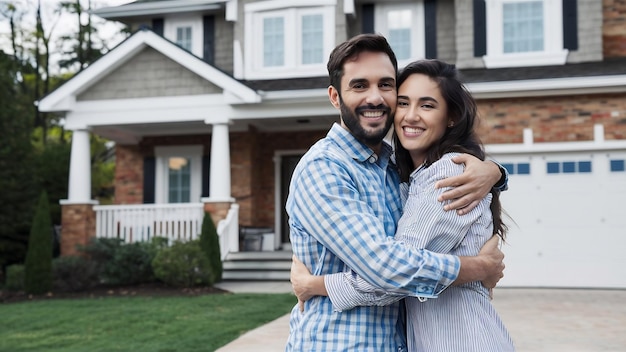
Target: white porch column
x=219, y=182
x=79, y=190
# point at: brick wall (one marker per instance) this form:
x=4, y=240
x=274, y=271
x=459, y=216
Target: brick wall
x=614, y=28
x=128, y=175
x=78, y=227
x=552, y=119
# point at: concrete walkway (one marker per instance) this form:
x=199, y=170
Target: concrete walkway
x=554, y=320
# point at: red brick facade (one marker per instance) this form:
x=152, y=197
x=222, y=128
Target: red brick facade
x=552, y=119
x=79, y=226
x=614, y=28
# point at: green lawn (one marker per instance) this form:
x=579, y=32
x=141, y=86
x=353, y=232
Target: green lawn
x=202, y=323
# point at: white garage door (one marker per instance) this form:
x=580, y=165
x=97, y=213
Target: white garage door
x=570, y=220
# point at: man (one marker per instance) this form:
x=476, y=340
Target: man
x=344, y=202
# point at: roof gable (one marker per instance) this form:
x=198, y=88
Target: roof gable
x=64, y=97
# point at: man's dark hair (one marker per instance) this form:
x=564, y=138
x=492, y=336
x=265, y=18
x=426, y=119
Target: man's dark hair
x=351, y=48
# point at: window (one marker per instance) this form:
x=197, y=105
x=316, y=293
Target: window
x=183, y=37
x=403, y=26
x=617, y=165
x=524, y=33
x=284, y=39
x=178, y=175
x=569, y=167
x=186, y=32
x=517, y=168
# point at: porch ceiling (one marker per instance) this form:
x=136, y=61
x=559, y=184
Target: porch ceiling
x=133, y=133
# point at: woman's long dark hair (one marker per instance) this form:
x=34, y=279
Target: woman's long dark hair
x=461, y=137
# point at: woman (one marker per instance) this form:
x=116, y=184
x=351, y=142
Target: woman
x=434, y=122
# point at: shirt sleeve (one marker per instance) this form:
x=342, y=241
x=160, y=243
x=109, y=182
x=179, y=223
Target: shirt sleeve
x=330, y=208
x=424, y=225
x=503, y=182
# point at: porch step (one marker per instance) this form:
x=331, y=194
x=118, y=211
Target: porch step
x=257, y=266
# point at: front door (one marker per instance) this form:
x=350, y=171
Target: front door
x=288, y=164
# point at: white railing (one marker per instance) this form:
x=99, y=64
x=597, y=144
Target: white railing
x=142, y=222
x=228, y=231
x=183, y=222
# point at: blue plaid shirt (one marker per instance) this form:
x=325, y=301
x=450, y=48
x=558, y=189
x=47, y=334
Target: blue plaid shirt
x=344, y=203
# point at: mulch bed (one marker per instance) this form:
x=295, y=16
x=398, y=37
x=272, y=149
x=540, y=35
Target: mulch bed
x=143, y=290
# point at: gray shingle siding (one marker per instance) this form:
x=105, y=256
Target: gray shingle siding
x=224, y=36
x=589, y=32
x=446, y=39
x=149, y=74
x=465, y=36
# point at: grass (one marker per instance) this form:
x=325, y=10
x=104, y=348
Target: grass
x=159, y=324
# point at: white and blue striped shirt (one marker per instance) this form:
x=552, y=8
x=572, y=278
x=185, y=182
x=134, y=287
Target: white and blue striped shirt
x=462, y=318
x=343, y=206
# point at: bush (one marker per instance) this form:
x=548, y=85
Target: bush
x=74, y=273
x=118, y=263
x=38, y=265
x=15, y=277
x=183, y=265
x=210, y=244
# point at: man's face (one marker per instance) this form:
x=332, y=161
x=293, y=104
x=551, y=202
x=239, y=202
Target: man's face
x=368, y=96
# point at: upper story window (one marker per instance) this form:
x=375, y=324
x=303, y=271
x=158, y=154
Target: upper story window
x=186, y=32
x=183, y=38
x=403, y=26
x=286, y=39
x=524, y=33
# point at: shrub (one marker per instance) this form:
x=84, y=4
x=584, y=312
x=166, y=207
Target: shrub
x=38, y=265
x=183, y=265
x=73, y=273
x=210, y=244
x=15, y=277
x=118, y=263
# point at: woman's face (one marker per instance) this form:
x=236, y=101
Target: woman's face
x=421, y=116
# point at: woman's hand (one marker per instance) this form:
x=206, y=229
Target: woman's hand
x=470, y=187
x=303, y=283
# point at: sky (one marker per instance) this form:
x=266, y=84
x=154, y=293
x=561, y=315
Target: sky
x=59, y=25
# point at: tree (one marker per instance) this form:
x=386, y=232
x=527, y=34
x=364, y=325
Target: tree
x=17, y=183
x=210, y=244
x=38, y=265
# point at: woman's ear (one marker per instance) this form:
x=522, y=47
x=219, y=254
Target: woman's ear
x=333, y=96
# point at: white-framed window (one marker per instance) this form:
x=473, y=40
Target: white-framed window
x=183, y=37
x=402, y=23
x=524, y=33
x=284, y=39
x=178, y=174
x=186, y=32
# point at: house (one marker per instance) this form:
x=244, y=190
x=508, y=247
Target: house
x=211, y=103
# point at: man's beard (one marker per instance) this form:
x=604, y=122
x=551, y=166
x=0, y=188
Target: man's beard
x=351, y=119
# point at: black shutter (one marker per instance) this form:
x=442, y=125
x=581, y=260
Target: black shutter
x=209, y=39
x=570, y=24
x=480, y=28
x=367, y=25
x=157, y=26
x=149, y=170
x=205, y=175
x=430, y=15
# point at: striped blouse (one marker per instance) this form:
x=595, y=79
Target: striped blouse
x=462, y=317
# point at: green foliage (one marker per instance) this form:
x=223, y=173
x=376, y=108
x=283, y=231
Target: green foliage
x=15, y=277
x=53, y=164
x=73, y=273
x=17, y=185
x=118, y=263
x=38, y=265
x=183, y=265
x=210, y=244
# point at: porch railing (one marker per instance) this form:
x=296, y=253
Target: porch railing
x=183, y=222
x=142, y=222
x=228, y=231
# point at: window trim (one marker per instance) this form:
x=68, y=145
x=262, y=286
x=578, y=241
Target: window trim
x=161, y=154
x=553, y=53
x=197, y=32
x=292, y=14
x=418, y=51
